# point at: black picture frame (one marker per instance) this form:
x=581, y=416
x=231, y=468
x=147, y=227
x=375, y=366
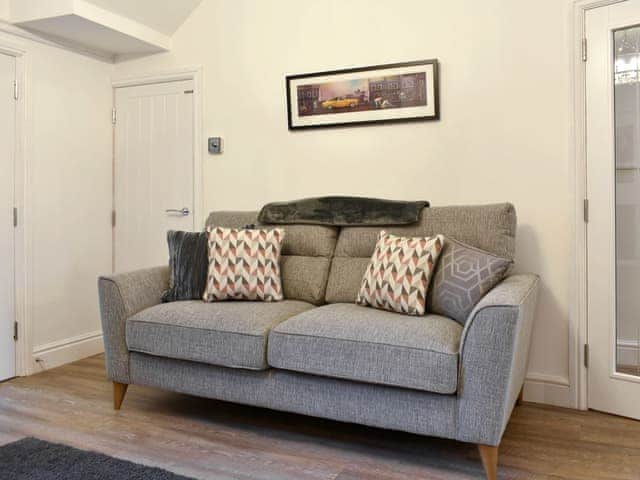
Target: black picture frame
x=348, y=103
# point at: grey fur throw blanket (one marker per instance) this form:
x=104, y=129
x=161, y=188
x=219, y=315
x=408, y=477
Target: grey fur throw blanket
x=342, y=211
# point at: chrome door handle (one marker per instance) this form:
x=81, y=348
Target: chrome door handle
x=183, y=211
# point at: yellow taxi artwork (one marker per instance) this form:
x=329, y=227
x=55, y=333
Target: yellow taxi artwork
x=340, y=102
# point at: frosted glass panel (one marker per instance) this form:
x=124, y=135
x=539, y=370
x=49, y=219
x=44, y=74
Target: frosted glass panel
x=627, y=127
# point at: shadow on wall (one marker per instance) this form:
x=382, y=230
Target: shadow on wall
x=529, y=258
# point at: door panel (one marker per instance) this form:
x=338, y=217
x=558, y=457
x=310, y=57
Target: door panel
x=7, y=153
x=154, y=171
x=613, y=189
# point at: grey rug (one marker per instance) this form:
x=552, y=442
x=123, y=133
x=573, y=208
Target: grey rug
x=33, y=459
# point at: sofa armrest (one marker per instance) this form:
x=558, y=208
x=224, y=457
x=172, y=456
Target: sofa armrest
x=494, y=351
x=121, y=296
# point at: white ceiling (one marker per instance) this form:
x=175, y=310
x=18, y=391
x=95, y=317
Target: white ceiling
x=112, y=29
x=165, y=16
x=93, y=36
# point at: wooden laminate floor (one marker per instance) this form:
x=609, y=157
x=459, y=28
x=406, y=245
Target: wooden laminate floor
x=214, y=440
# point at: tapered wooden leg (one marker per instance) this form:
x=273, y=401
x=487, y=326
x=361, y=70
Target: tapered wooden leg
x=520, y=397
x=489, y=456
x=119, y=390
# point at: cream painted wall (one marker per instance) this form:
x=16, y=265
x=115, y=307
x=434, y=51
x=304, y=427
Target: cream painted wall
x=4, y=9
x=68, y=165
x=504, y=133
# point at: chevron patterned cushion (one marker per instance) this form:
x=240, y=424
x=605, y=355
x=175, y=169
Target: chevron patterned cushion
x=244, y=264
x=464, y=275
x=399, y=272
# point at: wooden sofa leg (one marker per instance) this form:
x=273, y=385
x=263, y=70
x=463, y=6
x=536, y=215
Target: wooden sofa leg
x=489, y=457
x=119, y=390
x=520, y=397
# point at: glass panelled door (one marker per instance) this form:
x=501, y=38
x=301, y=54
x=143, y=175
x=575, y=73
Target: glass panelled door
x=613, y=190
x=626, y=43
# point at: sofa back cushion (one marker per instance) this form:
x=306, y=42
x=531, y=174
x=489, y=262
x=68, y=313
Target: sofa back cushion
x=306, y=254
x=487, y=227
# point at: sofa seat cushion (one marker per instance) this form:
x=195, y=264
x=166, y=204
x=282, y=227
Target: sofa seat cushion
x=229, y=334
x=374, y=346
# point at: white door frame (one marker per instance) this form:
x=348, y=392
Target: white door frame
x=579, y=313
x=22, y=240
x=199, y=147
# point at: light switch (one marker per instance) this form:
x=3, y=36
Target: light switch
x=215, y=145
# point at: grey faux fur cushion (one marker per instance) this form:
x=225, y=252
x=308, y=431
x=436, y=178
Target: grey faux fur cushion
x=188, y=265
x=342, y=211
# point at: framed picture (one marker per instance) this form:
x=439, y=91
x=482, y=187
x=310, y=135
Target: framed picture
x=398, y=92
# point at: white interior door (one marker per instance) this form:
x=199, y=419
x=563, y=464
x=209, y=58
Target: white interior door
x=154, y=170
x=7, y=153
x=613, y=189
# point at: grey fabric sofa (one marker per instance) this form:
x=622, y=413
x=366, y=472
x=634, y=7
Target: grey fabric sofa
x=317, y=353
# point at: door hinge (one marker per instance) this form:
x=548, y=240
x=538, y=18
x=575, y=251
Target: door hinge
x=113, y=218
x=15, y=216
x=16, y=90
x=113, y=116
x=584, y=49
x=585, y=212
x=15, y=331
x=586, y=355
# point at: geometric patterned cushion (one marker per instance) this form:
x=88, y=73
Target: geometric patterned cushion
x=244, y=264
x=463, y=276
x=399, y=272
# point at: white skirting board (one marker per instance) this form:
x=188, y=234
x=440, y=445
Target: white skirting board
x=548, y=389
x=64, y=351
x=628, y=352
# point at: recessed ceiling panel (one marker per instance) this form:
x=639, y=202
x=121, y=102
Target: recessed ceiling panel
x=92, y=35
x=165, y=16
